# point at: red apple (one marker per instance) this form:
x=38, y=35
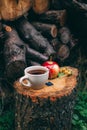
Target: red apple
x=53, y=68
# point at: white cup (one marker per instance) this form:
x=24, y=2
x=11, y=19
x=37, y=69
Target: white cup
x=36, y=77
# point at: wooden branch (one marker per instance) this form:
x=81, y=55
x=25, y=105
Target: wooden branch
x=49, y=51
x=75, y=5
x=40, y=6
x=54, y=17
x=31, y=35
x=80, y=5
x=14, y=53
x=35, y=55
x=47, y=30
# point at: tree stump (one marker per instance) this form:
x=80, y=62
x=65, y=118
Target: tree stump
x=50, y=108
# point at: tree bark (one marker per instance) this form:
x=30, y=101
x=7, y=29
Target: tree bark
x=40, y=6
x=2, y=33
x=6, y=96
x=48, y=108
x=72, y=43
x=47, y=30
x=2, y=64
x=57, y=17
x=31, y=35
x=49, y=51
x=14, y=55
x=82, y=6
x=2, y=36
x=32, y=54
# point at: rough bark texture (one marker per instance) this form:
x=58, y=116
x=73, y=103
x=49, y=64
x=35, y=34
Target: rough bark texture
x=48, y=108
x=14, y=53
x=6, y=96
x=49, y=51
x=1, y=51
x=40, y=6
x=57, y=17
x=31, y=35
x=10, y=9
x=48, y=30
x=32, y=54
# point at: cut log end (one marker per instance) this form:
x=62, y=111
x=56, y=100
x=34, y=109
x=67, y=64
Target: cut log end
x=40, y=6
x=63, y=52
x=10, y=9
x=48, y=30
x=54, y=31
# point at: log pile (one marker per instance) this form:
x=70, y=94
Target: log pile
x=33, y=39
x=30, y=39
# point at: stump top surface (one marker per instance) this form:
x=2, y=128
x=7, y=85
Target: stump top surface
x=61, y=87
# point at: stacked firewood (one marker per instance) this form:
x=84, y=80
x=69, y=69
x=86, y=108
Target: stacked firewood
x=35, y=37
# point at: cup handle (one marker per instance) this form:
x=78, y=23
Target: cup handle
x=28, y=84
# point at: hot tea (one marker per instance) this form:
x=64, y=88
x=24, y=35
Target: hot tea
x=36, y=76
x=36, y=72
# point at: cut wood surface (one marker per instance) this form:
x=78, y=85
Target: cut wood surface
x=63, y=52
x=11, y=9
x=40, y=6
x=61, y=87
x=48, y=30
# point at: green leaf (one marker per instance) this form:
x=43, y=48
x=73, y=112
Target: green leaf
x=74, y=122
x=75, y=117
x=60, y=74
x=83, y=113
x=83, y=128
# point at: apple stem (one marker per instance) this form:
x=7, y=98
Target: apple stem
x=50, y=58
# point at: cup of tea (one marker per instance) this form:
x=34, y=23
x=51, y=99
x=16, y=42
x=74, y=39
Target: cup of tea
x=36, y=77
